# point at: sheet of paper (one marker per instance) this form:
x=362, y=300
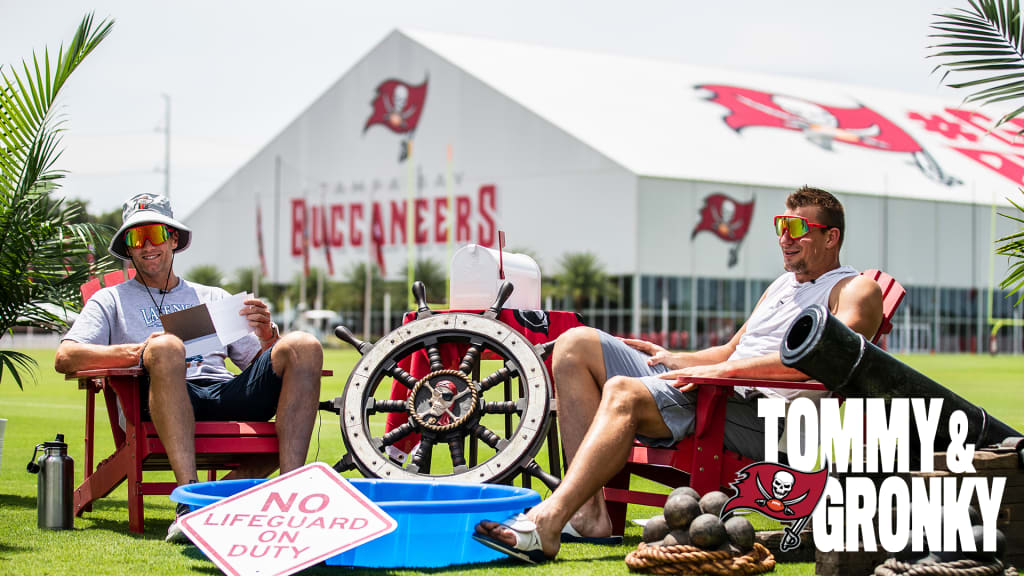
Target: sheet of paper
x=229, y=324
x=194, y=327
x=202, y=346
x=208, y=327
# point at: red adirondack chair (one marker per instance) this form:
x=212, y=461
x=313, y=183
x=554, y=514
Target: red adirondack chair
x=700, y=459
x=137, y=448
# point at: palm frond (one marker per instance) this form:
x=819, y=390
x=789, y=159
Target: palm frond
x=985, y=38
x=17, y=363
x=1012, y=246
x=44, y=255
x=582, y=278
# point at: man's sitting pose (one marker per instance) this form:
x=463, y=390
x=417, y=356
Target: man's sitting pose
x=611, y=390
x=120, y=327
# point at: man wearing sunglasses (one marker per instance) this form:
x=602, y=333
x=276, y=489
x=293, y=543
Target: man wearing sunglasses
x=120, y=327
x=614, y=390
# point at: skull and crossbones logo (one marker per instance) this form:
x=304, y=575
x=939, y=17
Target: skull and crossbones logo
x=818, y=125
x=397, y=113
x=782, y=485
x=442, y=396
x=723, y=219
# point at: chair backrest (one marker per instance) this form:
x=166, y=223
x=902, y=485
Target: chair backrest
x=110, y=279
x=892, y=295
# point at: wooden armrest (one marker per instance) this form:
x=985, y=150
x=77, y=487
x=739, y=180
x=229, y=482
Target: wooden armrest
x=134, y=371
x=104, y=372
x=806, y=385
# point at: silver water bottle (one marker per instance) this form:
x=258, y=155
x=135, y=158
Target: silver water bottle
x=56, y=483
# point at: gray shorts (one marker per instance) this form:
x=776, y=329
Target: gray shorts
x=744, y=431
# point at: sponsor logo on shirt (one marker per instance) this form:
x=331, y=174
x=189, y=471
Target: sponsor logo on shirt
x=152, y=318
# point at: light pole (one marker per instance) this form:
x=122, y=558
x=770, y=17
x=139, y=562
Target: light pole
x=167, y=144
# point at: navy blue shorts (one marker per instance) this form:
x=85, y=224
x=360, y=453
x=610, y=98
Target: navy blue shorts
x=252, y=395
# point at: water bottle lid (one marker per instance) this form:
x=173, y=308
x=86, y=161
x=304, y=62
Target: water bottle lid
x=56, y=443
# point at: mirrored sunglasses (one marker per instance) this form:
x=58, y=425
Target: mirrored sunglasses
x=798, y=226
x=136, y=237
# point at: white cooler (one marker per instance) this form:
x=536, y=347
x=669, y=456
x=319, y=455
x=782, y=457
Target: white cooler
x=475, y=279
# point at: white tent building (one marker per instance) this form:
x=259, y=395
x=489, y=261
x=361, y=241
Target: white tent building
x=669, y=173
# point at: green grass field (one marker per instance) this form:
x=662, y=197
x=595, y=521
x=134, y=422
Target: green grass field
x=101, y=543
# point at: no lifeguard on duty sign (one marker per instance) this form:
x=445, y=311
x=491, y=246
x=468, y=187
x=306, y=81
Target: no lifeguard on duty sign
x=286, y=524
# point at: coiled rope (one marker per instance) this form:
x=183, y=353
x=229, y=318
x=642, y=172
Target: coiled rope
x=693, y=560
x=893, y=567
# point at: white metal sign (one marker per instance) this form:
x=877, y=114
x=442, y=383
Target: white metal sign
x=286, y=524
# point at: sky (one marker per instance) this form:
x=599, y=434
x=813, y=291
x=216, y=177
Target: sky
x=237, y=73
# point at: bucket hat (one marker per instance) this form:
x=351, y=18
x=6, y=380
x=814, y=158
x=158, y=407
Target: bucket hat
x=147, y=208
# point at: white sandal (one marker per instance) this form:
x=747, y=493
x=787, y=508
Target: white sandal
x=527, y=548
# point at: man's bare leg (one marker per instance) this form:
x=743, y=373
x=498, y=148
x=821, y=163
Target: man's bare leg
x=169, y=406
x=579, y=375
x=626, y=409
x=299, y=359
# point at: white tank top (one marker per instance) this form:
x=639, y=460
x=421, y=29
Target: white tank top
x=783, y=301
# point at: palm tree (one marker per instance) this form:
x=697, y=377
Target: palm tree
x=582, y=279
x=242, y=282
x=45, y=246
x=352, y=296
x=985, y=43
x=206, y=274
x=434, y=276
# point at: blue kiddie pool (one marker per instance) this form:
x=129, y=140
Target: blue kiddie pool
x=436, y=520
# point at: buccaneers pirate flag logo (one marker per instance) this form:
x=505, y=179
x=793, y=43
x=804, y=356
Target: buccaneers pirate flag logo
x=397, y=106
x=822, y=125
x=778, y=492
x=727, y=219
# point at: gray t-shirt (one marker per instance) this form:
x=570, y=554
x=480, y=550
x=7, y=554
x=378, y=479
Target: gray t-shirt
x=126, y=314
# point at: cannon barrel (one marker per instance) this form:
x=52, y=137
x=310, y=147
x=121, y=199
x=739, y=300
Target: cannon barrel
x=827, y=350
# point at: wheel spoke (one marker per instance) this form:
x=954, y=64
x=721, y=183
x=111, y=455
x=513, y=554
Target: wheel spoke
x=456, y=449
x=377, y=406
x=401, y=376
x=497, y=377
x=470, y=359
x=421, y=459
x=508, y=407
x=435, y=358
x=487, y=436
x=397, y=434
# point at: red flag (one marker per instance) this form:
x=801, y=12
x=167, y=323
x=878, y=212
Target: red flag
x=305, y=243
x=326, y=240
x=777, y=491
x=398, y=106
x=377, y=238
x=259, y=241
x=725, y=218
x=858, y=126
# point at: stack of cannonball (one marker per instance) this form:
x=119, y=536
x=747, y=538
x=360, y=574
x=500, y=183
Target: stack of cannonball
x=690, y=519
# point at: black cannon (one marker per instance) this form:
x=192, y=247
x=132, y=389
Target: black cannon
x=825, y=349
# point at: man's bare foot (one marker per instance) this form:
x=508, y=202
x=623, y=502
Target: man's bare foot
x=592, y=525
x=523, y=533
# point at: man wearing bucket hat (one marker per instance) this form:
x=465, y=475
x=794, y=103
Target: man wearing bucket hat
x=120, y=327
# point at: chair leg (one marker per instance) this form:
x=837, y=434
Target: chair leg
x=617, y=510
x=554, y=459
x=90, y=430
x=136, y=447
x=135, y=510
